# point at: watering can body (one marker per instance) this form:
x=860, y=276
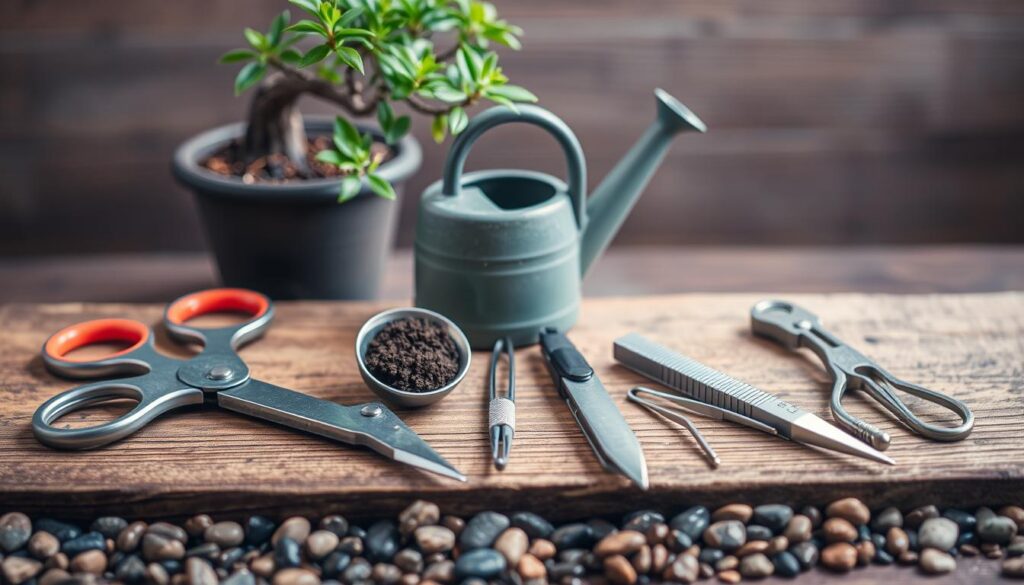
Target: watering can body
x=502, y=252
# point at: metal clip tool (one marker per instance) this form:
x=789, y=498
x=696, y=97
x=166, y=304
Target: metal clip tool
x=502, y=410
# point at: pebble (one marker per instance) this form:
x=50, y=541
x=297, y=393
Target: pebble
x=296, y=528
x=530, y=567
x=334, y=564
x=727, y=563
x=882, y=557
x=321, y=543
x=296, y=577
x=740, y=512
x=197, y=525
x=287, y=553
x=130, y=570
x=1016, y=547
x=840, y=557
x=484, y=563
x=917, y=516
x=419, y=513
x=751, y=547
x=433, y=539
x=786, y=564
x=678, y=540
x=756, y=566
x=17, y=570
x=896, y=541
x=225, y=534
x=87, y=541
x=482, y=530
x=441, y=572
x=838, y=529
x=200, y=572
x=643, y=560
x=625, y=542
x=90, y=561
x=775, y=516
x=512, y=544
x=240, y=577
x=619, y=570
x=59, y=561
x=936, y=562
x=940, y=533
x=692, y=521
x=641, y=520
x=850, y=509
x=258, y=529
x=799, y=529
x=886, y=519
x=996, y=529
x=157, y=574
x=131, y=536
x=15, y=530
x=542, y=549
x=965, y=522
x=532, y=524
x=777, y=544
x=43, y=545
x=685, y=569
x=381, y=541
x=657, y=533
x=1014, y=567
x=359, y=570
x=1015, y=513
x=453, y=523
x=758, y=532
x=576, y=535
x=385, y=574
x=907, y=558
x=727, y=535
x=168, y=530
x=208, y=551
x=159, y=548
x=731, y=576
x=865, y=552
x=64, y=531
x=969, y=550
x=53, y=577
x=108, y=526
x=710, y=556
x=336, y=524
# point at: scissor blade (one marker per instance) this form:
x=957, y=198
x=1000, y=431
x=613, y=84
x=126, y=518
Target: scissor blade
x=606, y=430
x=372, y=425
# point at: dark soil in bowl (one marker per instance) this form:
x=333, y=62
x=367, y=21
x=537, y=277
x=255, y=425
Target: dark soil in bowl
x=414, y=355
x=277, y=168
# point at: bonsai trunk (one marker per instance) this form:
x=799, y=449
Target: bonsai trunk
x=275, y=125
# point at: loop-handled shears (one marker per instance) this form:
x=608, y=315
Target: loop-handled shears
x=795, y=327
x=216, y=375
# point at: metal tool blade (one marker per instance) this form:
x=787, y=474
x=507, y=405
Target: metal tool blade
x=372, y=424
x=813, y=430
x=608, y=433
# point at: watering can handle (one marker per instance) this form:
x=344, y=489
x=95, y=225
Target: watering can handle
x=577, y=167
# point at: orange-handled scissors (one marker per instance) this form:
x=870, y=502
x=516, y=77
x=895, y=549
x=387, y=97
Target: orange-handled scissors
x=216, y=375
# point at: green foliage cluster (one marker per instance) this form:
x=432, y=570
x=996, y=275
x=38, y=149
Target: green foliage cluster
x=365, y=55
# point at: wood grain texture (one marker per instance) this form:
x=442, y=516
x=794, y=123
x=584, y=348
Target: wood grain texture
x=971, y=346
x=846, y=121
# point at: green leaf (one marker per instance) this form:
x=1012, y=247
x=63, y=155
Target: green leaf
x=351, y=57
x=457, y=120
x=331, y=157
x=385, y=116
x=237, y=55
x=343, y=32
x=308, y=27
x=347, y=139
x=350, y=187
x=510, y=92
x=277, y=28
x=380, y=186
x=399, y=129
x=291, y=56
x=315, y=55
x=249, y=76
x=438, y=128
x=446, y=93
x=468, y=63
x=350, y=15
x=256, y=39
x=504, y=101
x=310, y=6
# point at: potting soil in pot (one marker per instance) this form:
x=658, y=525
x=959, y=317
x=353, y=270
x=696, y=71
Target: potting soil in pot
x=414, y=355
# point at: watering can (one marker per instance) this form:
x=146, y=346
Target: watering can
x=502, y=252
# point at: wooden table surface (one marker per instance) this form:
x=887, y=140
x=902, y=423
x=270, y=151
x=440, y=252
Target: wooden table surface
x=971, y=346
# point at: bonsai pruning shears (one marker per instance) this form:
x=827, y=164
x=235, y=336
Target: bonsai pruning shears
x=217, y=375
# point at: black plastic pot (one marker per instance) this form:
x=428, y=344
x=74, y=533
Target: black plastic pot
x=294, y=240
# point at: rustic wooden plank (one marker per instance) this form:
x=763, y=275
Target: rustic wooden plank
x=205, y=459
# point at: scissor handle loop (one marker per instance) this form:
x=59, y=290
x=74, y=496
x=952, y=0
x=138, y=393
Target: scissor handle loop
x=884, y=395
x=130, y=360
x=219, y=300
x=148, y=407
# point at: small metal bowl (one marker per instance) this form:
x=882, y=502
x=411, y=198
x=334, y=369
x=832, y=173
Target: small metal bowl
x=395, y=396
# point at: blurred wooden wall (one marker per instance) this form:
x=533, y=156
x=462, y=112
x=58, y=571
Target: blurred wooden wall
x=832, y=121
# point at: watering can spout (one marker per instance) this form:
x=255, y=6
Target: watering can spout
x=611, y=202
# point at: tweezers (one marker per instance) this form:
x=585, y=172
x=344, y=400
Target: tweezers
x=502, y=410
x=683, y=404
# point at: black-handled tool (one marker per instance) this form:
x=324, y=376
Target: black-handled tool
x=608, y=433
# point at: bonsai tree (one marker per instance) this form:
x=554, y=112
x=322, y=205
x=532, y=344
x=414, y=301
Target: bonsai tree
x=363, y=56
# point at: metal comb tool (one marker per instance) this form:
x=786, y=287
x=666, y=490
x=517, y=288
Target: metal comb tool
x=735, y=400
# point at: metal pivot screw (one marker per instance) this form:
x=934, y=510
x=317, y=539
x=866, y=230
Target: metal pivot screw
x=370, y=410
x=220, y=373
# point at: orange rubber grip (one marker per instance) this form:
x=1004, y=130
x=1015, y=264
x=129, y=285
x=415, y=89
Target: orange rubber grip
x=98, y=331
x=217, y=300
